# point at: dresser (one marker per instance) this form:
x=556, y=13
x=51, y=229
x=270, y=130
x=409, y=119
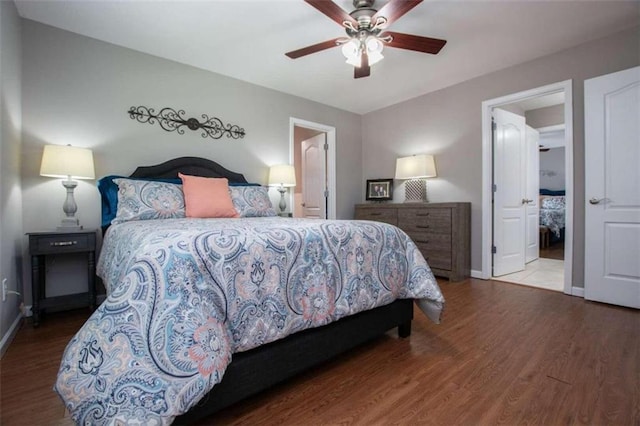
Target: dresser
x=442, y=232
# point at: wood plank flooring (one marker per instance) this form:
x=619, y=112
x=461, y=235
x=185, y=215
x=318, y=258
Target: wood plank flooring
x=504, y=355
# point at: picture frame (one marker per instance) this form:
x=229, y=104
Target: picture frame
x=379, y=190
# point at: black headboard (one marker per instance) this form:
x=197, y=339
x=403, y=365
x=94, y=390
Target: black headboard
x=194, y=166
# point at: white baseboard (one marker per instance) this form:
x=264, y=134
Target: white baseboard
x=577, y=291
x=476, y=274
x=9, y=335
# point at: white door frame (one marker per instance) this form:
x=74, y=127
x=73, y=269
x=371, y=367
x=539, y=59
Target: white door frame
x=487, y=179
x=331, y=157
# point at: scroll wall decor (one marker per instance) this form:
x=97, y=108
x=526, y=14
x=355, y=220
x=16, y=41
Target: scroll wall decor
x=174, y=121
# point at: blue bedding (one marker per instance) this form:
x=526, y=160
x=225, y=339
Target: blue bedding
x=185, y=294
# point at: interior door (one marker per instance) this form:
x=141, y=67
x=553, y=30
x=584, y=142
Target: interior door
x=509, y=177
x=612, y=188
x=314, y=181
x=532, y=251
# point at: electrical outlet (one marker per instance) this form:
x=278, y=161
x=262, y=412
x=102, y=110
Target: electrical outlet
x=4, y=289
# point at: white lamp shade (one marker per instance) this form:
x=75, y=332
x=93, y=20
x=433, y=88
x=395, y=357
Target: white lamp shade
x=61, y=161
x=416, y=167
x=282, y=175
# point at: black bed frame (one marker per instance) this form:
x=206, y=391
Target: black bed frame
x=260, y=368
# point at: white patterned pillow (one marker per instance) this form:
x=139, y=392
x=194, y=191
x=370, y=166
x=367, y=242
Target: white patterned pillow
x=252, y=201
x=144, y=200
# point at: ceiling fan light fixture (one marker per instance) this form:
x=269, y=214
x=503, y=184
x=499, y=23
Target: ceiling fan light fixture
x=351, y=49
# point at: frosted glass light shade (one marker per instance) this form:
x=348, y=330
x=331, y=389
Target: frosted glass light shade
x=282, y=175
x=61, y=161
x=415, y=166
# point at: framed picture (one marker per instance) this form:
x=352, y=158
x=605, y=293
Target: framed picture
x=379, y=189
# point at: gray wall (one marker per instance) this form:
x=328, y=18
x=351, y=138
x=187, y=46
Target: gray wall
x=76, y=90
x=447, y=123
x=547, y=116
x=10, y=146
x=552, y=169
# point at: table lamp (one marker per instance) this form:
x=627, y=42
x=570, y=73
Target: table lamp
x=66, y=161
x=283, y=176
x=415, y=169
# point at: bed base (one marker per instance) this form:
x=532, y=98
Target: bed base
x=256, y=370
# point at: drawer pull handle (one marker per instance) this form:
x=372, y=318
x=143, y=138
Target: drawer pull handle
x=422, y=226
x=422, y=241
x=422, y=214
x=63, y=243
x=375, y=214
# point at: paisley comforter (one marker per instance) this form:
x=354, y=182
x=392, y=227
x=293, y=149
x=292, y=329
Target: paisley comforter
x=185, y=294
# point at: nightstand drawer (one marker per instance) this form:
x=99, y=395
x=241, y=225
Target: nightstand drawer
x=66, y=243
x=425, y=220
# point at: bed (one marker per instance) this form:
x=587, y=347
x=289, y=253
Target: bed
x=201, y=313
x=552, y=212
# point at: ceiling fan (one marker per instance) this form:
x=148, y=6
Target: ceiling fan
x=366, y=33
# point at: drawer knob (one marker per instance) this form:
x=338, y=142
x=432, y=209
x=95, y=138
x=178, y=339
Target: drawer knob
x=63, y=243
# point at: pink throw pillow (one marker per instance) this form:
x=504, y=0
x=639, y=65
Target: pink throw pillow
x=207, y=197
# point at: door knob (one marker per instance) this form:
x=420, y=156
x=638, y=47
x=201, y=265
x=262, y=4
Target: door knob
x=596, y=200
x=526, y=201
x=304, y=204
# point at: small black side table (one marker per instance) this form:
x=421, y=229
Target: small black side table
x=42, y=244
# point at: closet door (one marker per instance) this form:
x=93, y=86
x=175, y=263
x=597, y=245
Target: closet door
x=532, y=251
x=509, y=176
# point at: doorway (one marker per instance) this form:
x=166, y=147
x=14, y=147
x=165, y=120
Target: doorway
x=532, y=105
x=312, y=150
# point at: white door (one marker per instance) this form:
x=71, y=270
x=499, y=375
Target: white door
x=532, y=251
x=612, y=188
x=509, y=166
x=314, y=181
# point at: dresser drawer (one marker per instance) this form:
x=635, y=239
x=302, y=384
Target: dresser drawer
x=65, y=243
x=425, y=220
x=380, y=215
x=436, y=258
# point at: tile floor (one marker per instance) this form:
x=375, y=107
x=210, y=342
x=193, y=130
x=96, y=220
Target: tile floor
x=542, y=273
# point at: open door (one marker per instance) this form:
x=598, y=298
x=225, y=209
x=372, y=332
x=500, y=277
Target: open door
x=532, y=251
x=612, y=188
x=314, y=180
x=509, y=169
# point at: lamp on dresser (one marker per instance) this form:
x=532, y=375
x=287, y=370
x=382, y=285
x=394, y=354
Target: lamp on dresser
x=66, y=161
x=415, y=169
x=283, y=176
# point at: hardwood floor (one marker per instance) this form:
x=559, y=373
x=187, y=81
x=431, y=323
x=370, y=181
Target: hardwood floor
x=504, y=354
x=554, y=251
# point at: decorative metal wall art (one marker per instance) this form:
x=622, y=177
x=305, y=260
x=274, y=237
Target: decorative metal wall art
x=174, y=121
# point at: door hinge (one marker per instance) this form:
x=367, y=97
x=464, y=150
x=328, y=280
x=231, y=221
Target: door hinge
x=326, y=193
x=494, y=126
x=493, y=249
x=495, y=187
x=326, y=146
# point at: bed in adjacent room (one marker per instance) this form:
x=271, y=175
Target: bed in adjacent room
x=204, y=311
x=553, y=212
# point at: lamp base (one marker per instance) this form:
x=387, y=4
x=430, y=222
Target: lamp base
x=415, y=191
x=70, y=224
x=283, y=203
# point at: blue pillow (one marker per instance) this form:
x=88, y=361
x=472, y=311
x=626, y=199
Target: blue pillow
x=109, y=194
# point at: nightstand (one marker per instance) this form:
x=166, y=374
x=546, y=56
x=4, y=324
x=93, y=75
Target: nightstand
x=42, y=244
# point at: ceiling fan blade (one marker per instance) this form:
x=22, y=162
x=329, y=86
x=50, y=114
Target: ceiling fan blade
x=333, y=11
x=294, y=54
x=394, y=10
x=364, y=70
x=414, y=42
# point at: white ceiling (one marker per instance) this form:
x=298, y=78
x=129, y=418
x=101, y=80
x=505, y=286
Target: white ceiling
x=247, y=40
